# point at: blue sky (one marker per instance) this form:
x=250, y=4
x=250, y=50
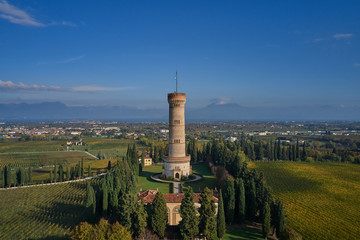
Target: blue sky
x=125, y=53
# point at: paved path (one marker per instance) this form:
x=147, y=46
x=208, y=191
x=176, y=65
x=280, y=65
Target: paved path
x=45, y=184
x=177, y=187
x=52, y=151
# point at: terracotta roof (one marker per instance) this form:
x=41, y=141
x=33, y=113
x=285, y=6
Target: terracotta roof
x=149, y=196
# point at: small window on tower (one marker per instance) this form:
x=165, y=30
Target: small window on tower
x=176, y=121
x=176, y=140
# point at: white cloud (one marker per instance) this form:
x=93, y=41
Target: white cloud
x=16, y=15
x=356, y=64
x=318, y=40
x=72, y=59
x=221, y=101
x=9, y=86
x=95, y=88
x=343, y=35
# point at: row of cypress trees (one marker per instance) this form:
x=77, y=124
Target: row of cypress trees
x=15, y=177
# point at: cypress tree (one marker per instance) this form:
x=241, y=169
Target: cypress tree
x=303, y=153
x=251, y=206
x=279, y=157
x=29, y=175
x=221, y=226
x=126, y=209
x=266, y=220
x=61, y=173
x=55, y=173
x=3, y=177
x=51, y=177
x=207, y=224
x=105, y=200
x=189, y=223
x=241, y=201
x=109, y=165
x=90, y=200
x=297, y=150
x=139, y=220
x=67, y=173
x=229, y=199
x=280, y=220
x=89, y=171
x=82, y=167
x=159, y=215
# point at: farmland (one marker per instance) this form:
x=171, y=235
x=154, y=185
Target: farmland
x=41, y=212
x=322, y=200
x=40, y=159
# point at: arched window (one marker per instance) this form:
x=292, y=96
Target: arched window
x=177, y=175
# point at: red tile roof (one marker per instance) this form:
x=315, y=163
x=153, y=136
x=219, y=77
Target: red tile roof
x=149, y=196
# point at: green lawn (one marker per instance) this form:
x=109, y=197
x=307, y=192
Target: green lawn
x=322, y=200
x=208, y=179
x=146, y=183
x=241, y=232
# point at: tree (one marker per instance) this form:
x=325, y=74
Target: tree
x=67, y=173
x=207, y=224
x=105, y=200
x=29, y=175
x=89, y=171
x=221, y=226
x=51, y=177
x=90, y=200
x=303, y=154
x=102, y=230
x=126, y=209
x=139, y=220
x=251, y=203
x=241, y=201
x=61, y=173
x=229, y=199
x=159, y=215
x=297, y=150
x=280, y=219
x=266, y=220
x=109, y=165
x=189, y=224
x=55, y=173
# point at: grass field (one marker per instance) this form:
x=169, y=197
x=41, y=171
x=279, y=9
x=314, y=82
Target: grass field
x=242, y=232
x=110, y=147
x=322, y=200
x=146, y=183
x=41, y=212
x=208, y=179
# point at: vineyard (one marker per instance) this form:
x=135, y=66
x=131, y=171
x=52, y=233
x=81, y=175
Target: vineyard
x=40, y=159
x=322, y=200
x=42, y=212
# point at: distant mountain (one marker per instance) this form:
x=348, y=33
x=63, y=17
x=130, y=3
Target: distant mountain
x=59, y=111
x=232, y=111
x=53, y=111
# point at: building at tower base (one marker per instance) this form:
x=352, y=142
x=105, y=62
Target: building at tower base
x=177, y=163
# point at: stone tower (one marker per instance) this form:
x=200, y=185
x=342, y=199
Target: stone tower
x=177, y=163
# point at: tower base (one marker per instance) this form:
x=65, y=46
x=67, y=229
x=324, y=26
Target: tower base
x=177, y=167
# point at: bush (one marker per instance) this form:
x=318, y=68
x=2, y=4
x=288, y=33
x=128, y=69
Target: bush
x=163, y=177
x=171, y=178
x=184, y=178
x=192, y=177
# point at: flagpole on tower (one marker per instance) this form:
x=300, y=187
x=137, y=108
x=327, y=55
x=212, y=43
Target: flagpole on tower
x=176, y=82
